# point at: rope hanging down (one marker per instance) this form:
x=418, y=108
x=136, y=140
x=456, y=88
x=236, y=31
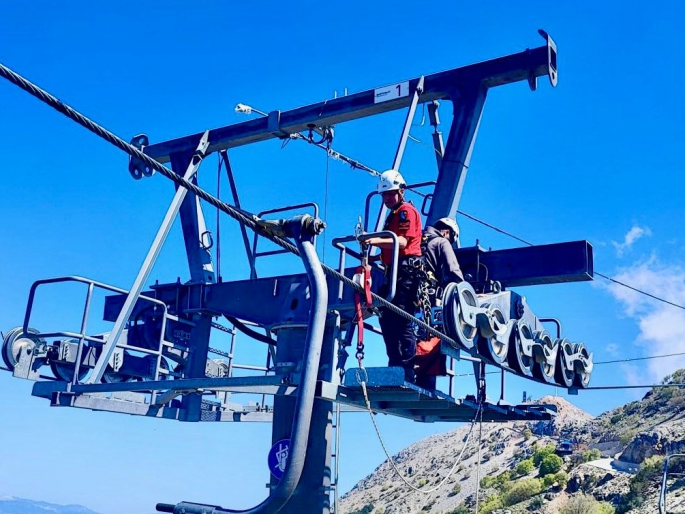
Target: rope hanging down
x=387, y=454
x=248, y=219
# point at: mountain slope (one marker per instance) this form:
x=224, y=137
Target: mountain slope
x=643, y=431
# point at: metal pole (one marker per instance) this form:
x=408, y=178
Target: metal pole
x=303, y=233
x=402, y=144
x=236, y=202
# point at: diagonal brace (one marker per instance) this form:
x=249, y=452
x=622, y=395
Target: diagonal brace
x=146, y=268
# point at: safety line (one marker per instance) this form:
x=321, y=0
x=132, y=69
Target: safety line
x=480, y=443
x=387, y=454
x=653, y=386
x=641, y=358
x=246, y=218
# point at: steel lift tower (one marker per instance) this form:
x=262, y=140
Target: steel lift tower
x=156, y=359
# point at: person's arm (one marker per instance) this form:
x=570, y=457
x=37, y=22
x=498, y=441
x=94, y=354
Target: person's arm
x=451, y=271
x=386, y=242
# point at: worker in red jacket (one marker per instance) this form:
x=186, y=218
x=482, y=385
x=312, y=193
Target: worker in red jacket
x=404, y=220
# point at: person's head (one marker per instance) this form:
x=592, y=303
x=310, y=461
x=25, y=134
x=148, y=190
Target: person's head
x=391, y=187
x=448, y=228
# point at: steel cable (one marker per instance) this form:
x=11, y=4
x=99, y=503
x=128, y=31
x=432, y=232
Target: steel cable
x=244, y=217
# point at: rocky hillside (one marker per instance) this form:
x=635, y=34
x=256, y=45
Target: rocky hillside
x=615, y=464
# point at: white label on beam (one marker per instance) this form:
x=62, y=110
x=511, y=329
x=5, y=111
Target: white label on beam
x=383, y=94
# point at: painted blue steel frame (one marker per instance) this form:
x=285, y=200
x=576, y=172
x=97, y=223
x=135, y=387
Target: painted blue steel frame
x=466, y=87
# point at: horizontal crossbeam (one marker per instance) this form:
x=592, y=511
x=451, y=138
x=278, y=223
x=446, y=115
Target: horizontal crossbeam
x=525, y=65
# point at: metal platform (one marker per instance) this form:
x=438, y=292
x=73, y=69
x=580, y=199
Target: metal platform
x=387, y=390
x=390, y=394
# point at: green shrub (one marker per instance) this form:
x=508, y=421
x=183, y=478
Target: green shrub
x=561, y=478
x=586, y=504
x=550, y=464
x=455, y=490
x=421, y=482
x=543, y=452
x=593, y=454
x=490, y=505
x=487, y=482
x=616, y=418
x=649, y=477
x=527, y=433
x=605, y=508
x=524, y=467
x=522, y=490
x=503, y=478
x=547, y=480
x=536, y=504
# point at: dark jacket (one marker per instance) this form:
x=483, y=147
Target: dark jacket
x=440, y=258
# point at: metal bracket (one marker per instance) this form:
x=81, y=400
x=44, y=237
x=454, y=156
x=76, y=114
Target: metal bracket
x=136, y=167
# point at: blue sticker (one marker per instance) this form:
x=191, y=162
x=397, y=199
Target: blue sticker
x=404, y=216
x=278, y=458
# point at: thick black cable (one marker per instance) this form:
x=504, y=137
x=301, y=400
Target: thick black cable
x=249, y=332
x=495, y=228
x=242, y=216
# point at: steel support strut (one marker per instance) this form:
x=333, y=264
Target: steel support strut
x=302, y=229
x=150, y=259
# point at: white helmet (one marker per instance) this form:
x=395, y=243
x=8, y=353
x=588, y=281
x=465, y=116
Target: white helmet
x=448, y=223
x=391, y=180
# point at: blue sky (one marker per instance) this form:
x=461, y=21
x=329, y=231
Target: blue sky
x=598, y=158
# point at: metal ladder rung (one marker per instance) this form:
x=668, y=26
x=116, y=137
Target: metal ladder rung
x=175, y=346
x=173, y=317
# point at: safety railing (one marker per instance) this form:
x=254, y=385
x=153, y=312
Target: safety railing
x=392, y=272
x=82, y=335
x=664, y=480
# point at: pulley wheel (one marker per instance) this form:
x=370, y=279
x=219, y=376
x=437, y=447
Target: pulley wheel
x=543, y=369
x=14, y=342
x=65, y=370
x=466, y=296
x=581, y=378
x=562, y=375
x=520, y=362
x=449, y=309
x=489, y=345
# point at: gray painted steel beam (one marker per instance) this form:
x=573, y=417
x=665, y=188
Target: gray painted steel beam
x=438, y=86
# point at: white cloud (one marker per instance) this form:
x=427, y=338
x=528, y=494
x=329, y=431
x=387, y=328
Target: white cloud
x=630, y=238
x=661, y=326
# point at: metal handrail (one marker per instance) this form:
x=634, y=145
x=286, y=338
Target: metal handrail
x=664, y=479
x=338, y=243
x=81, y=336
